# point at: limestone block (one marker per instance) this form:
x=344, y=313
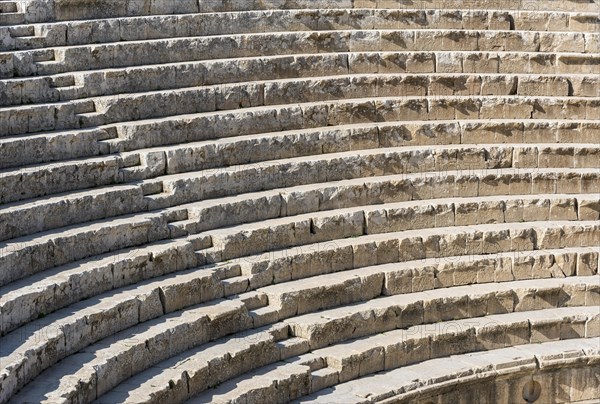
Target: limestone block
x=397, y=41
x=543, y=86
x=563, y=42
x=364, y=41
x=543, y=64
x=587, y=263
x=363, y=63
x=449, y=62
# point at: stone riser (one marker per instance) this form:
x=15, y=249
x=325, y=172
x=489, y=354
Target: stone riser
x=485, y=377
x=91, y=205
x=65, y=145
x=196, y=368
x=473, y=99
x=179, y=254
x=172, y=26
x=61, y=10
x=153, y=226
x=500, y=297
x=62, y=60
x=130, y=107
x=144, y=165
x=417, y=344
x=403, y=187
x=189, y=74
x=307, y=229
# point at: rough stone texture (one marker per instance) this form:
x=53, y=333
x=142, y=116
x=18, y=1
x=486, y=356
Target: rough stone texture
x=267, y=201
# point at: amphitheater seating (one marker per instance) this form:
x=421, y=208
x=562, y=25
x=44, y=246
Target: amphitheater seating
x=271, y=201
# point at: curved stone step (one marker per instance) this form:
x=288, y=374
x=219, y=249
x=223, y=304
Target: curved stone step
x=250, y=350
x=374, y=190
x=214, y=125
x=136, y=166
x=541, y=182
x=249, y=148
x=85, y=83
x=402, y=348
x=47, y=292
x=85, y=323
x=185, y=373
x=469, y=370
x=147, y=227
x=138, y=27
x=473, y=100
x=20, y=220
x=136, y=53
x=61, y=145
x=550, y=5
x=59, y=177
x=354, y=86
x=146, y=105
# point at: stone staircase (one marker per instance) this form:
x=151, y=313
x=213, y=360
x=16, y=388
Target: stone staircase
x=270, y=201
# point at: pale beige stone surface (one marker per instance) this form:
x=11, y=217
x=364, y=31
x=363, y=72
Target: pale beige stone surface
x=252, y=201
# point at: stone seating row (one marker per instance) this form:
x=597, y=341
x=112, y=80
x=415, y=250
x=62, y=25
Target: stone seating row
x=94, y=83
x=82, y=327
x=136, y=53
x=68, y=33
x=18, y=12
x=484, y=377
x=93, y=277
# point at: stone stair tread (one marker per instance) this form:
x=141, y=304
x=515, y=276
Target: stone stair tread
x=95, y=270
x=14, y=145
x=319, y=78
x=106, y=303
x=402, y=380
x=350, y=348
x=343, y=354
x=156, y=222
x=265, y=201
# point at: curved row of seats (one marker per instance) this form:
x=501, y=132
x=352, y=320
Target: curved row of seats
x=269, y=201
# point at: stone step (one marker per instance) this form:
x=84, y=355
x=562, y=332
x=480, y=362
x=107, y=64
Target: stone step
x=64, y=145
x=365, y=191
x=409, y=84
x=145, y=105
x=462, y=302
x=210, y=72
x=506, y=369
x=571, y=46
x=144, y=27
x=150, y=343
x=174, y=368
x=476, y=98
x=214, y=125
x=63, y=10
x=319, y=227
x=168, y=168
x=351, y=253
x=417, y=344
x=52, y=289
x=9, y=18
x=66, y=333
x=336, y=167
x=36, y=253
x=19, y=221
x=308, y=295
x=549, y=5
x=180, y=254
x=154, y=298
x=8, y=7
